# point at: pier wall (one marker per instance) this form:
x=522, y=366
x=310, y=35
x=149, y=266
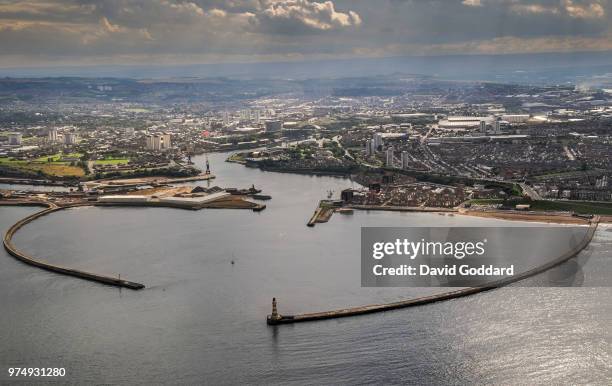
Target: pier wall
x=21, y=256
x=368, y=309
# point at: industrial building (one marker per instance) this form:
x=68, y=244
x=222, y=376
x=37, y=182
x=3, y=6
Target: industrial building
x=274, y=125
x=462, y=122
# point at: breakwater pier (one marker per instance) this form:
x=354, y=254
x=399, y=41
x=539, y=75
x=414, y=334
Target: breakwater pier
x=276, y=318
x=22, y=256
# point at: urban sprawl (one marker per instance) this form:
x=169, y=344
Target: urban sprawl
x=408, y=141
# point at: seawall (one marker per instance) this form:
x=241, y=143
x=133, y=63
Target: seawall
x=21, y=256
x=368, y=309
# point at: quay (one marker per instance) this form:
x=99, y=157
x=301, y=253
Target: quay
x=21, y=256
x=275, y=318
x=321, y=215
x=324, y=211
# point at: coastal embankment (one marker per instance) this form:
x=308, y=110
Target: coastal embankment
x=216, y=201
x=275, y=318
x=22, y=256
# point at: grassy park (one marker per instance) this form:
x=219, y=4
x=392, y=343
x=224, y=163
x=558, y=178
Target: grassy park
x=51, y=165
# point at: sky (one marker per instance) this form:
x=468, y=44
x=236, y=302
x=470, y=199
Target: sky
x=111, y=32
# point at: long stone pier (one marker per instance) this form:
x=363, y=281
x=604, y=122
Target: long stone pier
x=19, y=255
x=276, y=318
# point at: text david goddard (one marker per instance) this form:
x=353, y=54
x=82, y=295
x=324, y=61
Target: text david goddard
x=453, y=270
x=432, y=257
x=467, y=256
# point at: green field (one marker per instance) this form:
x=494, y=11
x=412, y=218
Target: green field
x=57, y=157
x=579, y=207
x=56, y=169
x=49, y=165
x=576, y=206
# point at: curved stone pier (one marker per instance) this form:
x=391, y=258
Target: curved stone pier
x=19, y=255
x=276, y=318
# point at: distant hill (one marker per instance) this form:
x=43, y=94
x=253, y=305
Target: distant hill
x=518, y=68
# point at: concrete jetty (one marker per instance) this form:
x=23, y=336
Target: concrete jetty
x=21, y=256
x=322, y=214
x=276, y=318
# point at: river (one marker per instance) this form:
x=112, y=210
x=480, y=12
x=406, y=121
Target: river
x=201, y=319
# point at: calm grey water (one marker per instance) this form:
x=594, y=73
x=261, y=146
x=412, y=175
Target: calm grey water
x=202, y=319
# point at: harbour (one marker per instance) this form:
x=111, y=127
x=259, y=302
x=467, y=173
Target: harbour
x=220, y=307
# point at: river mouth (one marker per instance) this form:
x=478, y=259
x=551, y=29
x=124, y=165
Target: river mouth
x=229, y=253
x=201, y=317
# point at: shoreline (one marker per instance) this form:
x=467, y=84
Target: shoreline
x=540, y=217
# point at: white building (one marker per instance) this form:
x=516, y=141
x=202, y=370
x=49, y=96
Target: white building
x=497, y=127
x=389, y=157
x=53, y=136
x=159, y=141
x=462, y=122
x=14, y=139
x=516, y=118
x=245, y=115
x=405, y=159
x=129, y=132
x=378, y=140
x=70, y=138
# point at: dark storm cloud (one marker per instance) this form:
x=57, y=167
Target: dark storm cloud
x=215, y=30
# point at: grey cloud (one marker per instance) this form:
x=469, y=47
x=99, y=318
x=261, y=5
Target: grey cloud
x=229, y=29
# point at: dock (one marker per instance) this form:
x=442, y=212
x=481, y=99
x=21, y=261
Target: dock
x=321, y=215
x=275, y=318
